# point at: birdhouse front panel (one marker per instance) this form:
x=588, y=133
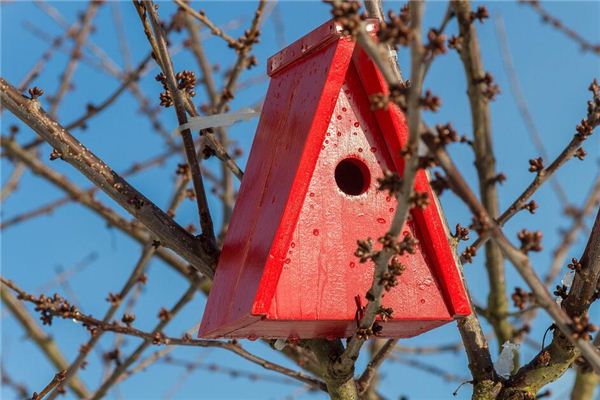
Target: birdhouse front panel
x=321, y=276
x=287, y=268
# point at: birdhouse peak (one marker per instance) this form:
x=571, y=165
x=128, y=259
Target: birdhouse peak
x=321, y=36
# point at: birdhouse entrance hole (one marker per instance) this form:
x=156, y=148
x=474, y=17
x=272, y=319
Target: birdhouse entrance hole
x=352, y=176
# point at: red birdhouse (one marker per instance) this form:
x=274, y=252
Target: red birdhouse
x=310, y=191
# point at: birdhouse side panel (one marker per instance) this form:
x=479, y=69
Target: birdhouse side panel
x=433, y=231
x=294, y=102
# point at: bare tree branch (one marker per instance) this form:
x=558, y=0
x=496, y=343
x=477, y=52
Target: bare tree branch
x=72, y=151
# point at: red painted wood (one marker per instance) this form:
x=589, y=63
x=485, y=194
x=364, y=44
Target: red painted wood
x=287, y=266
x=433, y=228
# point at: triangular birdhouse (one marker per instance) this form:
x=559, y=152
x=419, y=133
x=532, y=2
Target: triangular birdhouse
x=288, y=268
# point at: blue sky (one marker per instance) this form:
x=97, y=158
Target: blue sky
x=554, y=75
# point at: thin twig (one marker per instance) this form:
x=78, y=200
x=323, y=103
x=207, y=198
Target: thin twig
x=81, y=37
x=485, y=163
x=214, y=29
x=166, y=64
x=12, y=183
x=46, y=344
x=517, y=92
x=365, y=379
x=57, y=380
x=557, y=23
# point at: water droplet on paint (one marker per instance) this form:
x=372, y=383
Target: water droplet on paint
x=339, y=117
x=422, y=301
x=328, y=134
x=354, y=133
x=391, y=209
x=360, y=150
x=316, y=232
x=373, y=149
x=326, y=141
x=352, y=264
x=388, y=199
x=311, y=194
x=287, y=261
x=339, y=133
x=381, y=220
x=356, y=124
x=292, y=245
x=344, y=109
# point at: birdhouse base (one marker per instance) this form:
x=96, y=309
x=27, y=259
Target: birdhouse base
x=256, y=327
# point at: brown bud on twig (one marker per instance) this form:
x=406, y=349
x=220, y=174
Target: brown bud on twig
x=391, y=182
x=469, y=253
x=182, y=169
x=455, y=42
x=437, y=42
x=113, y=355
x=364, y=251
x=536, y=165
x=389, y=278
x=385, y=313
x=461, y=232
x=419, y=200
x=165, y=99
x=530, y=240
x=580, y=153
x=499, y=178
x=158, y=338
x=55, y=155
x=489, y=89
x=531, y=206
x=164, y=315
x=480, y=14
x=378, y=101
x=479, y=224
x=396, y=29
x=575, y=265
x=582, y=327
x=446, y=134
x=114, y=298
x=35, y=93
x=398, y=93
x=561, y=291
x=520, y=298
x=128, y=318
x=208, y=152
x=430, y=102
x=584, y=130
x=439, y=183
x=426, y=162
x=408, y=244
